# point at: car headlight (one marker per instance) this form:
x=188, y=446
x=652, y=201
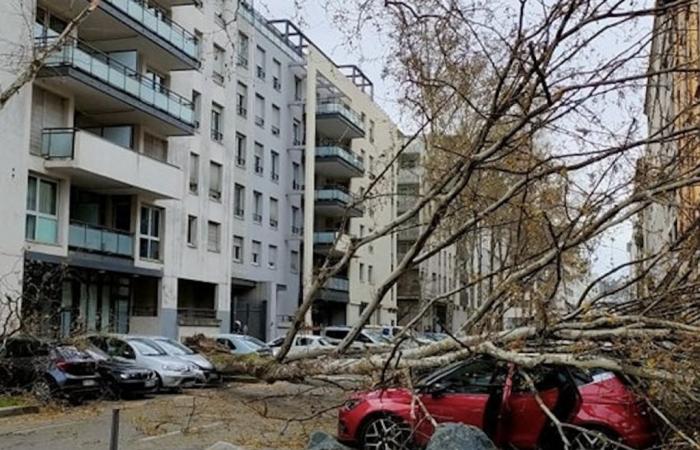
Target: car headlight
x=173, y=368
x=124, y=376
x=351, y=404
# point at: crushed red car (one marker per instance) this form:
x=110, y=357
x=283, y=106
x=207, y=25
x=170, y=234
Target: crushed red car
x=497, y=398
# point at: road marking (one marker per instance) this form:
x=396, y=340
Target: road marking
x=176, y=432
x=41, y=428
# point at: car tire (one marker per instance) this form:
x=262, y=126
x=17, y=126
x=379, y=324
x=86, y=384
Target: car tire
x=592, y=439
x=44, y=391
x=386, y=432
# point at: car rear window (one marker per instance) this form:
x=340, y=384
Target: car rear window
x=336, y=334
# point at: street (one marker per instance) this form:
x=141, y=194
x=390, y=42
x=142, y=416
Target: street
x=240, y=414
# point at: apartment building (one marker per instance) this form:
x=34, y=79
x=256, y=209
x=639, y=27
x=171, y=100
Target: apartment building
x=162, y=175
x=435, y=277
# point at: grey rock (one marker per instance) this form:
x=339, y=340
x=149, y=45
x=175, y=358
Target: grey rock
x=324, y=441
x=455, y=436
x=224, y=446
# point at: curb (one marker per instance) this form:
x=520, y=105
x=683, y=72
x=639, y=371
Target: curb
x=10, y=411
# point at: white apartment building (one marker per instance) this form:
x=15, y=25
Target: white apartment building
x=159, y=170
x=436, y=276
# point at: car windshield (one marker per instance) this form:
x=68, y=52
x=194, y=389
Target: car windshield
x=173, y=347
x=254, y=341
x=377, y=336
x=324, y=342
x=146, y=348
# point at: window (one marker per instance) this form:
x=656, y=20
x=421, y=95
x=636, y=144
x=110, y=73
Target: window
x=371, y=130
x=239, y=201
x=296, y=133
x=362, y=231
x=197, y=103
x=255, y=253
x=296, y=176
x=272, y=256
x=296, y=227
x=218, y=64
x=294, y=261
x=276, y=120
x=214, y=237
x=192, y=231
x=155, y=147
x=297, y=88
x=277, y=75
x=260, y=61
x=259, y=110
x=242, y=100
x=275, y=163
x=362, y=272
x=217, y=112
x=215, y=170
x=194, y=173
x=241, y=144
x=370, y=274
x=243, y=45
x=238, y=249
x=149, y=242
x=257, y=207
x=259, y=158
x=274, y=212
x=42, y=215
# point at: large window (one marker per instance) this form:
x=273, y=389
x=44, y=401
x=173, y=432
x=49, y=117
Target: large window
x=192, y=231
x=214, y=237
x=194, y=173
x=275, y=166
x=239, y=201
x=260, y=61
x=149, y=243
x=259, y=110
x=257, y=207
x=243, y=44
x=274, y=212
x=276, y=120
x=242, y=99
x=42, y=216
x=294, y=261
x=255, y=256
x=259, y=155
x=219, y=64
x=217, y=124
x=241, y=144
x=215, y=172
x=277, y=75
x=237, y=249
x=272, y=257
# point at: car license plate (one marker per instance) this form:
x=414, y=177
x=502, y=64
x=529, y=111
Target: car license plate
x=89, y=383
x=150, y=383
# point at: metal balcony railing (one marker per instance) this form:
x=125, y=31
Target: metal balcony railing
x=157, y=22
x=80, y=56
x=345, y=154
x=100, y=239
x=335, y=107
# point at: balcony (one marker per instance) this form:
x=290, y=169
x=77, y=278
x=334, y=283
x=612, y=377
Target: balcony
x=336, y=201
x=137, y=25
x=331, y=242
x=337, y=289
x=338, y=162
x=118, y=94
x=102, y=240
x=337, y=121
x=96, y=163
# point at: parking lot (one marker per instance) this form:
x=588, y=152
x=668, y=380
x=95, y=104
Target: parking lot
x=240, y=413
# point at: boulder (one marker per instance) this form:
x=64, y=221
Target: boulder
x=324, y=441
x=455, y=436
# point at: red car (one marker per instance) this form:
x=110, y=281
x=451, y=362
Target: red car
x=496, y=398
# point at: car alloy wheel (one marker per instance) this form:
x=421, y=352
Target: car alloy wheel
x=43, y=391
x=386, y=433
x=592, y=440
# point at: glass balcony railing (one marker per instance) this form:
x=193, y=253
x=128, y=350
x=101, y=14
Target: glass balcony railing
x=99, y=65
x=346, y=155
x=338, y=284
x=101, y=240
x=157, y=22
x=342, y=109
x=57, y=143
x=325, y=237
x=334, y=194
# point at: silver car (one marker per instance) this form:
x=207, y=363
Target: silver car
x=172, y=372
x=241, y=344
x=178, y=350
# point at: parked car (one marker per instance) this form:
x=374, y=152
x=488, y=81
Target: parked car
x=181, y=351
x=122, y=378
x=301, y=344
x=494, y=397
x=369, y=336
x=435, y=337
x=242, y=344
x=171, y=372
x=49, y=371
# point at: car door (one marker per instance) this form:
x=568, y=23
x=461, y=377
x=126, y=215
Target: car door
x=525, y=419
x=460, y=396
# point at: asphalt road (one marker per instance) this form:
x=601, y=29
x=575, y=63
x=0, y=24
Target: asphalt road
x=250, y=416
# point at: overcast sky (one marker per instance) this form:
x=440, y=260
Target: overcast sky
x=370, y=54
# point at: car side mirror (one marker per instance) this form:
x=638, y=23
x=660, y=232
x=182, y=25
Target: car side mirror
x=437, y=389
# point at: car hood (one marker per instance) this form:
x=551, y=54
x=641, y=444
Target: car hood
x=199, y=360
x=389, y=395
x=158, y=361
